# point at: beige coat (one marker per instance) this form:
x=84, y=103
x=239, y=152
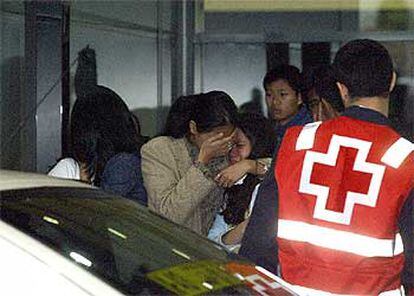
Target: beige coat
x=176, y=188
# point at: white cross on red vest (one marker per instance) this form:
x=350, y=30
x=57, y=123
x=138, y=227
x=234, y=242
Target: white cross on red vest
x=352, y=198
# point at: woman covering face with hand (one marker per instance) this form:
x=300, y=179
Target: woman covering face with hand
x=254, y=138
x=179, y=167
x=254, y=145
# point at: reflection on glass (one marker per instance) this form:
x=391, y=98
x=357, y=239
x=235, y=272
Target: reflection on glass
x=51, y=220
x=208, y=286
x=80, y=259
x=116, y=239
x=179, y=253
x=117, y=233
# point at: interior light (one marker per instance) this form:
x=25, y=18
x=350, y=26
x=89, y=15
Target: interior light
x=51, y=220
x=179, y=253
x=117, y=233
x=80, y=259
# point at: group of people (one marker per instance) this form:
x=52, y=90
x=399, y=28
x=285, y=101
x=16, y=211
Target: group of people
x=308, y=193
x=335, y=213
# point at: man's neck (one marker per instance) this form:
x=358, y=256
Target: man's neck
x=378, y=104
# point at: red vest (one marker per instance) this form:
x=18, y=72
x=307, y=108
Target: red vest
x=341, y=187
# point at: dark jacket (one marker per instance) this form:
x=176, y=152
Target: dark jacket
x=301, y=118
x=122, y=175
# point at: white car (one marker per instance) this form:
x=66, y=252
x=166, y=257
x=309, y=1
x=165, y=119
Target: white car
x=60, y=237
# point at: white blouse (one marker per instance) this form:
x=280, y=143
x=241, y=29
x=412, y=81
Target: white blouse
x=66, y=168
x=220, y=227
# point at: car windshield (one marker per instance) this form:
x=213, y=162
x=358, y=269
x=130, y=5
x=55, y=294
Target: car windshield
x=116, y=239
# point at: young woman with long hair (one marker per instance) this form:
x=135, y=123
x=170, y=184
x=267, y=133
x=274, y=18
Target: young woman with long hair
x=179, y=167
x=104, y=146
x=254, y=144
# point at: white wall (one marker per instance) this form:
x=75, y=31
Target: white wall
x=123, y=35
x=126, y=62
x=234, y=68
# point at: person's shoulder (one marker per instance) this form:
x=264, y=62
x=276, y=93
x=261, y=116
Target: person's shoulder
x=296, y=129
x=66, y=163
x=123, y=163
x=304, y=116
x=163, y=143
x=66, y=168
x=163, y=147
x=158, y=141
x=125, y=157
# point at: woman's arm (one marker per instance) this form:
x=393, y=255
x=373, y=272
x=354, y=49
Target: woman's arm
x=226, y=236
x=235, y=235
x=230, y=175
x=171, y=194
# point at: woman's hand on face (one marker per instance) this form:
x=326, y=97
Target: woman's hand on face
x=215, y=146
x=230, y=175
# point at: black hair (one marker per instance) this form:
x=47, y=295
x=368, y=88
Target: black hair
x=365, y=67
x=101, y=127
x=260, y=133
x=285, y=72
x=142, y=139
x=207, y=110
x=322, y=80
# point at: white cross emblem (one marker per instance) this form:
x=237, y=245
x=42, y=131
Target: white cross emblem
x=352, y=198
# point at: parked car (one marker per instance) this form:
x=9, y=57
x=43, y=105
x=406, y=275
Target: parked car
x=60, y=237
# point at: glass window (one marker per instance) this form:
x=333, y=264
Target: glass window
x=114, y=238
x=386, y=15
